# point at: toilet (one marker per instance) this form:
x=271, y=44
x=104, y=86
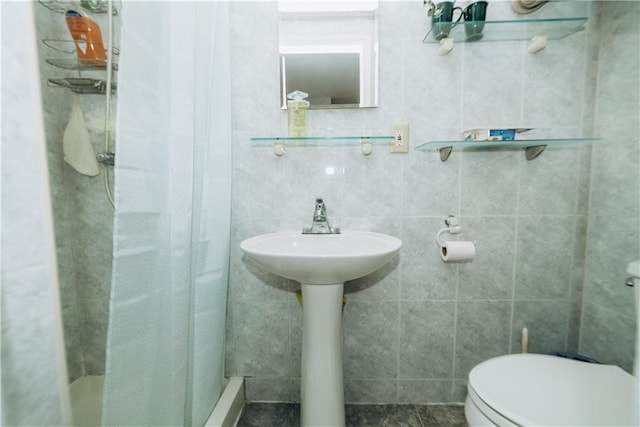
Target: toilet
x=543, y=390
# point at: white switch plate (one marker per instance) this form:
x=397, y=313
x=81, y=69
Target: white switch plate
x=400, y=133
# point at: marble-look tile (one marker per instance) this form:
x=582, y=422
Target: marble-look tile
x=370, y=339
x=249, y=18
x=383, y=284
x=367, y=175
x=416, y=22
x=370, y=390
x=562, y=8
x=246, y=278
x=255, y=82
x=546, y=322
x=317, y=171
x=548, y=84
x=485, y=103
x=258, y=180
x=605, y=336
x=429, y=281
x=382, y=415
x=432, y=85
x=424, y=391
x=584, y=177
x=442, y=415
x=580, y=235
x=261, y=338
x=271, y=389
x=430, y=187
x=249, y=280
x=548, y=185
x=257, y=414
x=489, y=182
x=608, y=255
x=460, y=390
x=490, y=274
x=482, y=332
x=73, y=350
x=426, y=339
x=615, y=183
x=543, y=264
x=95, y=345
x=295, y=337
x=424, y=275
x=573, y=328
x=230, y=369
x=357, y=415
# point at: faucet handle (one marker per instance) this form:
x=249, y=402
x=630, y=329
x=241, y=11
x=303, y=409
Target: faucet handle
x=319, y=200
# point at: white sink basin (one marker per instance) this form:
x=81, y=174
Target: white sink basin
x=320, y=259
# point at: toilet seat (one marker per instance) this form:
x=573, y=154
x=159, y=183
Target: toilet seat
x=541, y=390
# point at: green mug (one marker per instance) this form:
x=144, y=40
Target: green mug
x=442, y=19
x=474, y=16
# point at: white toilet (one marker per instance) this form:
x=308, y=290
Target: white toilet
x=542, y=390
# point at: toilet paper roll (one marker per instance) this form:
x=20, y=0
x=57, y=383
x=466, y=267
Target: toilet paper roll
x=457, y=251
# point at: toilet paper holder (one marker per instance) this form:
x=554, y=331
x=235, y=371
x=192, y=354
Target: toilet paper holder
x=454, y=251
x=452, y=227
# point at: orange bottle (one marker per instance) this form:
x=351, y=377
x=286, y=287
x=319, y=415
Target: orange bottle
x=87, y=38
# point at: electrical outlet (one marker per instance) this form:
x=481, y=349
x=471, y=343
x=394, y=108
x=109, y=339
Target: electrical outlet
x=400, y=143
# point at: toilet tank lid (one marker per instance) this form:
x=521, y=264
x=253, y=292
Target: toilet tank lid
x=634, y=269
x=574, y=393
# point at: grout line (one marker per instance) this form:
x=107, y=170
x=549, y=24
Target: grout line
x=515, y=256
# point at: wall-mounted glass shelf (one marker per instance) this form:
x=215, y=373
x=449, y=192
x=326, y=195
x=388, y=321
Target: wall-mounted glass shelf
x=533, y=147
x=510, y=30
x=280, y=142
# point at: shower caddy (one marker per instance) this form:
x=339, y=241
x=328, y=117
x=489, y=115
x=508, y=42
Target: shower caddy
x=88, y=85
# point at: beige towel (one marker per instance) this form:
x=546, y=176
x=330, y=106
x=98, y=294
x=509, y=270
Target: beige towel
x=76, y=144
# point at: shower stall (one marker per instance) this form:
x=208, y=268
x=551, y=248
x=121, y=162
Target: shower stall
x=142, y=286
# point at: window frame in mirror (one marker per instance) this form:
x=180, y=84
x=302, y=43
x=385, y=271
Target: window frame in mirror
x=325, y=42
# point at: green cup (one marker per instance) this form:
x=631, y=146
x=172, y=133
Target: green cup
x=475, y=14
x=442, y=19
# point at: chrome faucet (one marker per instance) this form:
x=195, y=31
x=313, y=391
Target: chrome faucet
x=320, y=222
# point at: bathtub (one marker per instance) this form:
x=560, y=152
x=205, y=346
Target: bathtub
x=86, y=400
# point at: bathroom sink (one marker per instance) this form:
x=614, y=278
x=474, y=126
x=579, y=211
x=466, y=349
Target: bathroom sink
x=319, y=259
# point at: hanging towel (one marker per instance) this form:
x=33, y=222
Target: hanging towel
x=76, y=145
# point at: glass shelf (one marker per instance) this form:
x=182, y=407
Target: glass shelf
x=310, y=140
x=510, y=30
x=280, y=142
x=533, y=147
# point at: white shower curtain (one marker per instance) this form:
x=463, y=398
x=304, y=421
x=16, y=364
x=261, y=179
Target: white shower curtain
x=165, y=348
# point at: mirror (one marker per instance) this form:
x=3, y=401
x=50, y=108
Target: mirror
x=330, y=51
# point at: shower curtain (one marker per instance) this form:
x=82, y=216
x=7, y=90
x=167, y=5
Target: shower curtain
x=165, y=345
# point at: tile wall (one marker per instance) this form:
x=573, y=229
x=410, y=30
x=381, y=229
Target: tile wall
x=413, y=330
x=83, y=216
x=613, y=239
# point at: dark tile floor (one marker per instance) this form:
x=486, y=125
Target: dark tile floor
x=288, y=415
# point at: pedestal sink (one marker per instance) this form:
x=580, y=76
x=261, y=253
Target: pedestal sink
x=322, y=263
